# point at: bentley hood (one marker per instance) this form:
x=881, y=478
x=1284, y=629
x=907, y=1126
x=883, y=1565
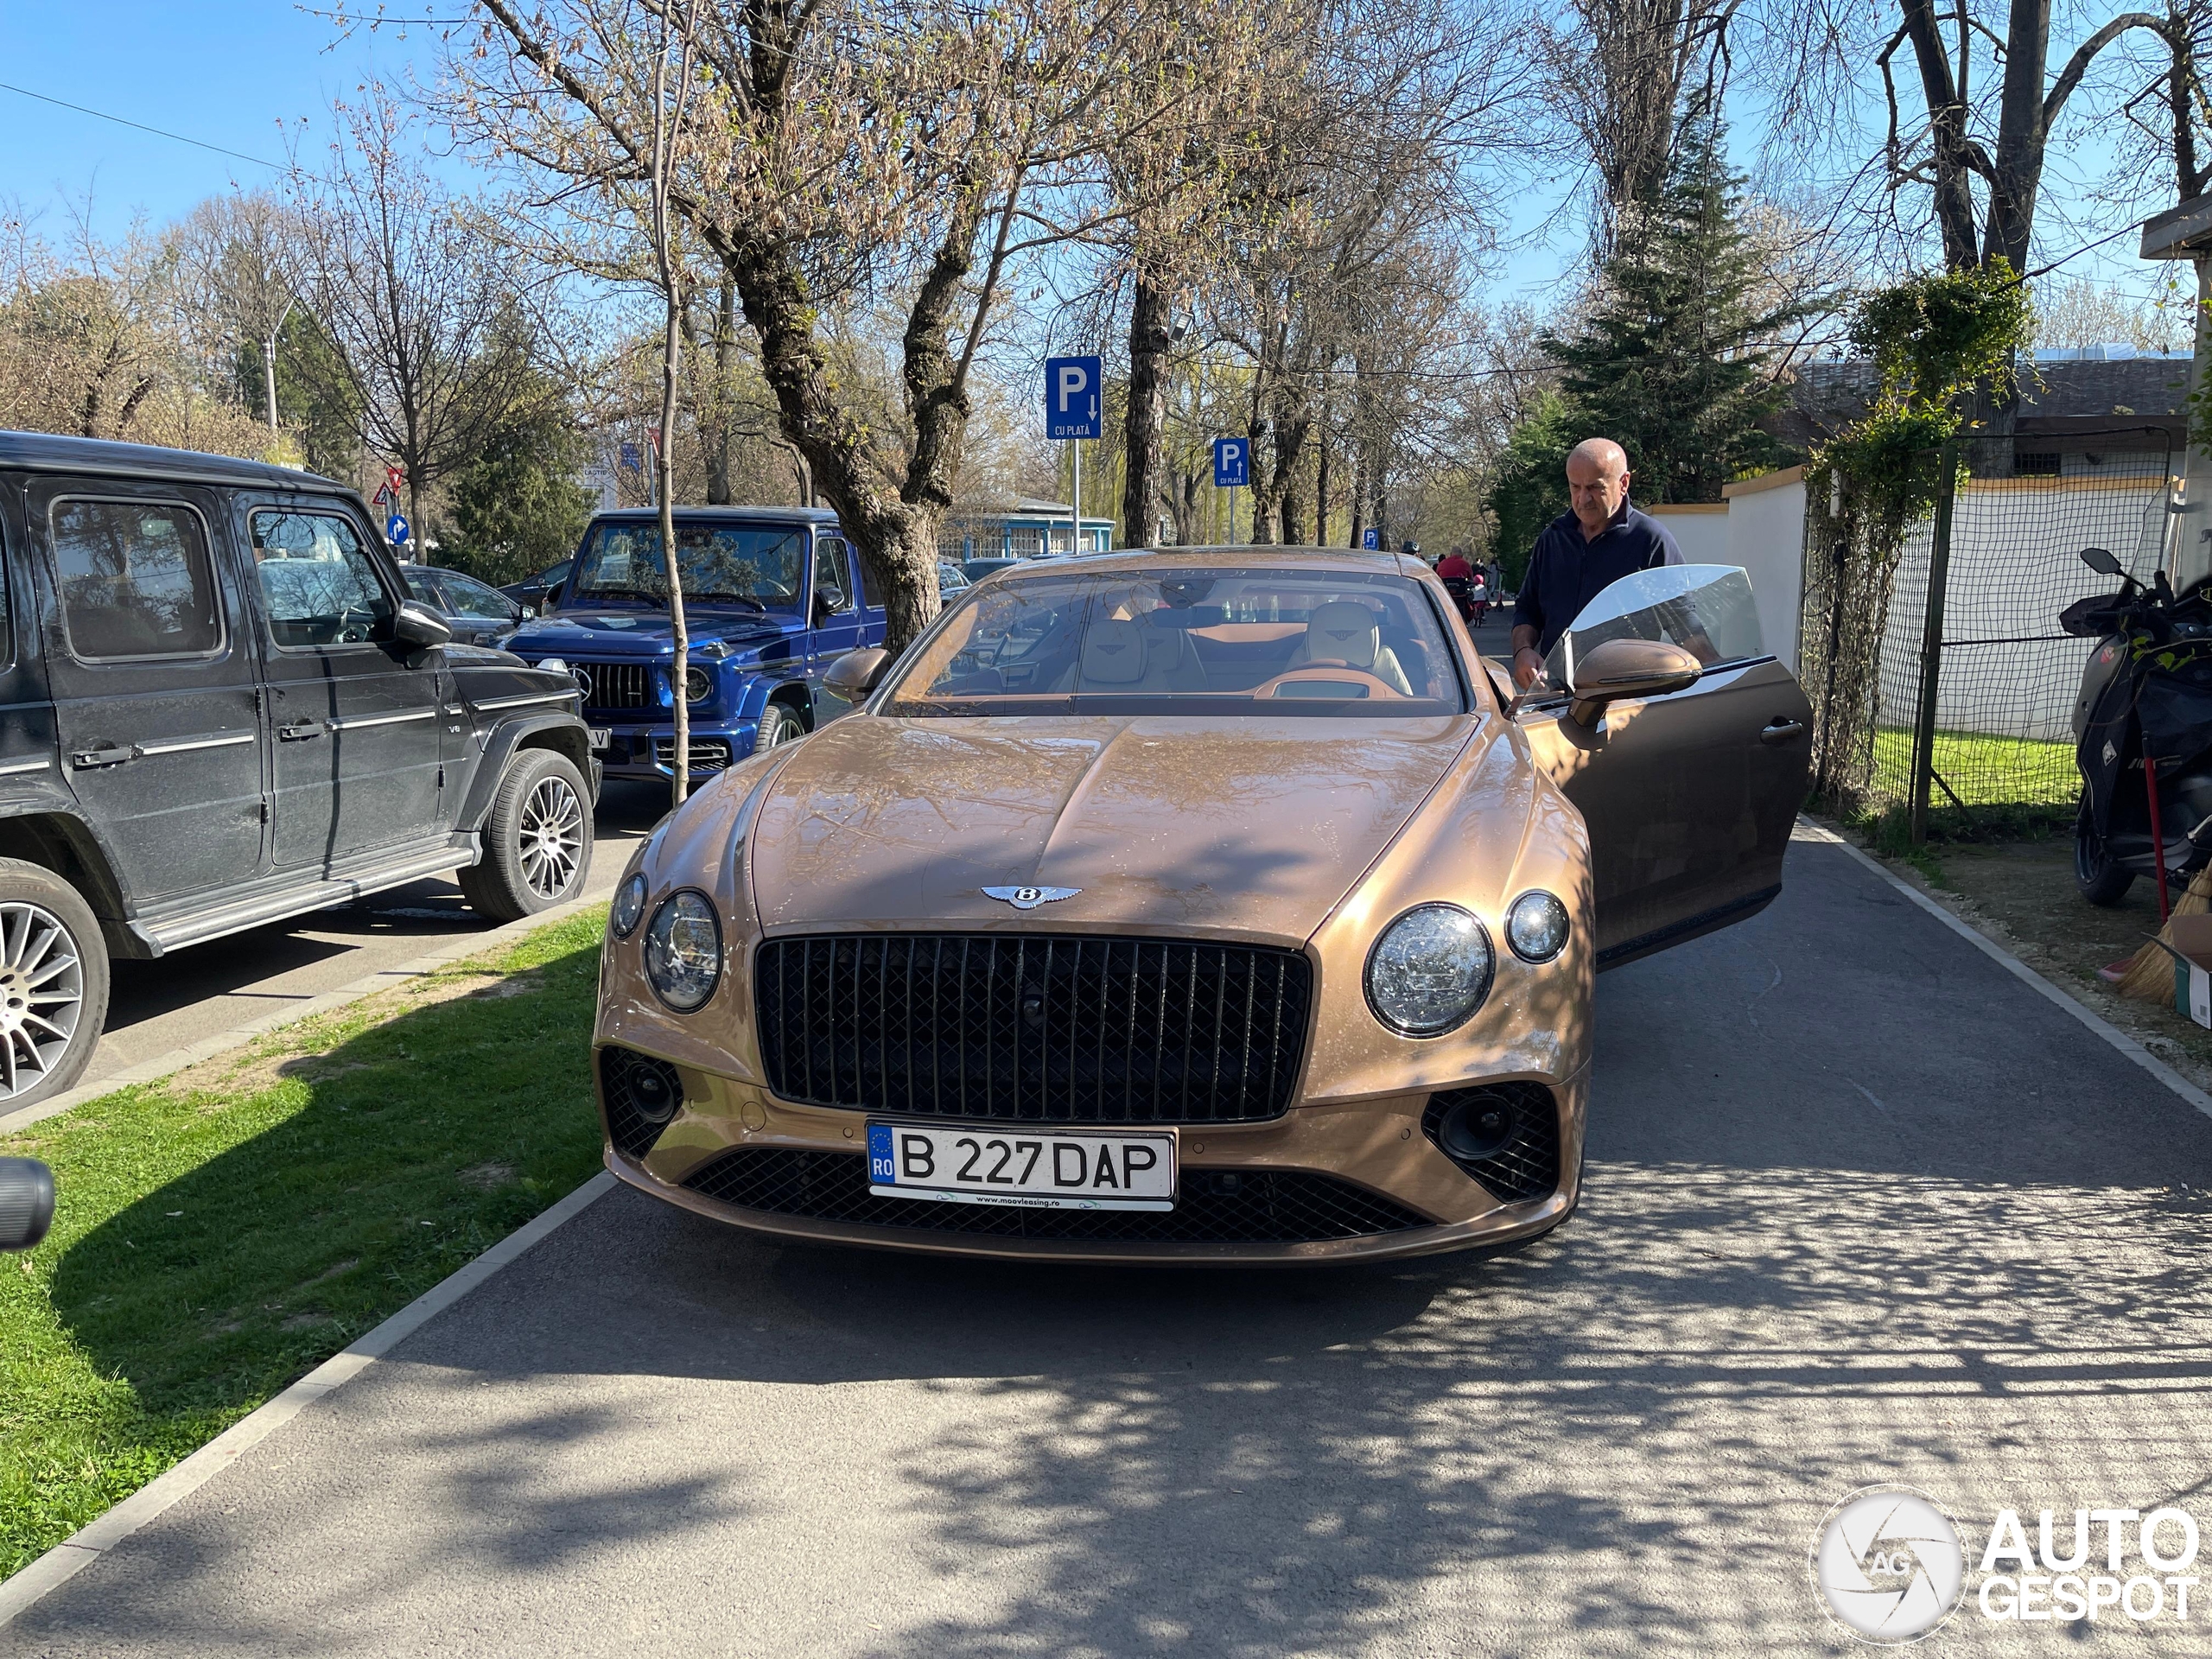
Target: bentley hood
x=1224, y=826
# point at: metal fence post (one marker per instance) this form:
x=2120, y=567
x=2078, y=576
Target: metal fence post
x=1931, y=643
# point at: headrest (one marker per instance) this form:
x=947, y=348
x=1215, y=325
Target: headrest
x=1112, y=654
x=1342, y=631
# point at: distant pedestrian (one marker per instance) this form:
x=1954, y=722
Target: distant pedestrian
x=1599, y=539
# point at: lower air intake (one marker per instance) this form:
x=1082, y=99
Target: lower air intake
x=1216, y=1207
x=1504, y=1135
x=642, y=1094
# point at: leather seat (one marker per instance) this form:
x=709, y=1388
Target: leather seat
x=1344, y=630
x=1137, y=658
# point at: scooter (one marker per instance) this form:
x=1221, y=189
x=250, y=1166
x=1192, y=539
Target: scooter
x=1463, y=596
x=2142, y=731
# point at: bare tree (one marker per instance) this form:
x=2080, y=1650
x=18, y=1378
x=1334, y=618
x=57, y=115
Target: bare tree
x=432, y=331
x=845, y=155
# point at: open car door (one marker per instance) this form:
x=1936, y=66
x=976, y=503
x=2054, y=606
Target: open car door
x=1689, y=797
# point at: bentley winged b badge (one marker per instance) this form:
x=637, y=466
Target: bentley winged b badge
x=1030, y=898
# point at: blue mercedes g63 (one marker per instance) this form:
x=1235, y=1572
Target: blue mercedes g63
x=772, y=597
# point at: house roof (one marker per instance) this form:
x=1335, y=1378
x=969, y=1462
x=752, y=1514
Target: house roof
x=2118, y=404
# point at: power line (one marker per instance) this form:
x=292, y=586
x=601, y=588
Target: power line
x=179, y=138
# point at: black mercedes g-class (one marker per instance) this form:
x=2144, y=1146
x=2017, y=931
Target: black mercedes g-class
x=219, y=708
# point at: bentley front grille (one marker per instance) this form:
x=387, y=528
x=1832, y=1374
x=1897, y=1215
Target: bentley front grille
x=617, y=685
x=1250, y=1207
x=1033, y=1027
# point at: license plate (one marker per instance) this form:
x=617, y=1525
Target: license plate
x=1031, y=1169
x=601, y=737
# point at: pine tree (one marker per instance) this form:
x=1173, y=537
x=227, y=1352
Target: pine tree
x=1672, y=364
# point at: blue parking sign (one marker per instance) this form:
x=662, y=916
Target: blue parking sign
x=1071, y=385
x=1370, y=538
x=1232, y=463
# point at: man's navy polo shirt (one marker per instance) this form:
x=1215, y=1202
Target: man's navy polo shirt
x=1565, y=573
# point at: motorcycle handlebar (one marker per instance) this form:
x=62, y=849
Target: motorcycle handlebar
x=26, y=1203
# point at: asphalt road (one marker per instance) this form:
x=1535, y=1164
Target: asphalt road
x=177, y=999
x=1862, y=1207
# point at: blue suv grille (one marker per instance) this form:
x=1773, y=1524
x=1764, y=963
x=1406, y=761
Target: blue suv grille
x=1033, y=1027
x=617, y=685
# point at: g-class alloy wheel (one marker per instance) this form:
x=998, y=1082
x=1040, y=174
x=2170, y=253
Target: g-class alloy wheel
x=538, y=840
x=53, y=984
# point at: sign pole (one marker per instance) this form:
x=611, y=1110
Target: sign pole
x=1075, y=533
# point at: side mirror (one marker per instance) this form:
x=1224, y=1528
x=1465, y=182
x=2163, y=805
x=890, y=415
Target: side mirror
x=856, y=673
x=528, y=611
x=26, y=1203
x=2101, y=561
x=1629, y=668
x=827, y=602
x=418, y=627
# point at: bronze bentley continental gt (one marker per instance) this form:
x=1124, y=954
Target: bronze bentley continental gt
x=1205, y=906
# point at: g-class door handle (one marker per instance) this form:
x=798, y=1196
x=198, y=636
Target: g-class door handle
x=1781, y=731
x=299, y=731
x=108, y=755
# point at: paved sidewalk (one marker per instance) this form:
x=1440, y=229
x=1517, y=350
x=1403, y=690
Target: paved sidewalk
x=1863, y=1207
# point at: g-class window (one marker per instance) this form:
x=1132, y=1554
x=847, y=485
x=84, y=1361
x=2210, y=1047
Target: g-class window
x=317, y=584
x=135, y=579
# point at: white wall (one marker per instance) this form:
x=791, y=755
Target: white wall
x=1766, y=537
x=1701, y=531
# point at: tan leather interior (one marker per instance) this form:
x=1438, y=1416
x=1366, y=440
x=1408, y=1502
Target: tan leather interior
x=1345, y=632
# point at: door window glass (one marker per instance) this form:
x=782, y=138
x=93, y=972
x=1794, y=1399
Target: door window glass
x=831, y=572
x=319, y=586
x=135, y=580
x=470, y=597
x=1705, y=608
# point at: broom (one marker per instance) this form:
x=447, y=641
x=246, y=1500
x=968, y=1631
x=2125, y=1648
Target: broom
x=2149, y=974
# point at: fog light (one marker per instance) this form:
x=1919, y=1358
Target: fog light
x=1474, y=1129
x=652, y=1094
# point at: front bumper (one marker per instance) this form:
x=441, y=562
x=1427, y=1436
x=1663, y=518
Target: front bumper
x=1374, y=1147
x=647, y=750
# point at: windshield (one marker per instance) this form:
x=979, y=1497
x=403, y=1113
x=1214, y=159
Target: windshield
x=760, y=563
x=1705, y=608
x=1184, y=641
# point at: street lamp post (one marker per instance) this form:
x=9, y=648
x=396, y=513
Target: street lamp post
x=269, y=363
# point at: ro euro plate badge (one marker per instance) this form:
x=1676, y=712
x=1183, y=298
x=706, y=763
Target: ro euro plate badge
x=1033, y=1170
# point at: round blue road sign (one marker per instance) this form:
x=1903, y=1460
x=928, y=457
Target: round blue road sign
x=395, y=530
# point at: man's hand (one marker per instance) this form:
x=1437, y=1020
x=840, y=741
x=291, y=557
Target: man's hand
x=1528, y=667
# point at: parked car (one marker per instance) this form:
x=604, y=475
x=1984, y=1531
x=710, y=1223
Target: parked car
x=976, y=569
x=218, y=708
x=1202, y=906
x=951, y=580
x=772, y=597
x=478, y=613
x=535, y=593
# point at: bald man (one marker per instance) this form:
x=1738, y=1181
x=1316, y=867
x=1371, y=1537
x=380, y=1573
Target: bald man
x=1599, y=539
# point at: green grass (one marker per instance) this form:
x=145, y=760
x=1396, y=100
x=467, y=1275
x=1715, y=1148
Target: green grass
x=1984, y=771
x=222, y=1233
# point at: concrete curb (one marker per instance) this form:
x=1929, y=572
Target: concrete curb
x=177, y=1059
x=2020, y=970
x=65, y=1561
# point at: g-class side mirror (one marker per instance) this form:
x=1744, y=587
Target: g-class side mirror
x=856, y=673
x=827, y=602
x=1628, y=668
x=418, y=627
x=2101, y=561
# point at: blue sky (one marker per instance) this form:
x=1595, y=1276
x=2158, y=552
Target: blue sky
x=238, y=75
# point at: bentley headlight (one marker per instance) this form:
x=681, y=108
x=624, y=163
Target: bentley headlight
x=1430, y=970
x=684, y=949
x=629, y=907
x=1536, y=926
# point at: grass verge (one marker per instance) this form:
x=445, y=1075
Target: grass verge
x=224, y=1231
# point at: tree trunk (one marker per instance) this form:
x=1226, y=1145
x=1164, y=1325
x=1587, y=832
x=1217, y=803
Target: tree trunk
x=1358, y=494
x=1321, y=477
x=1142, y=428
x=718, y=442
x=2020, y=135
x=1947, y=119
